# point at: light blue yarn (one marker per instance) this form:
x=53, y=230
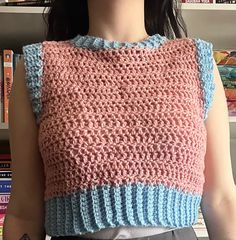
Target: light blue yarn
x=34, y=71
x=124, y=205
x=94, y=43
x=205, y=61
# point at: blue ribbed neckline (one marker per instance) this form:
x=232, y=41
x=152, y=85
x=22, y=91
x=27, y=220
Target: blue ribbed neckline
x=94, y=42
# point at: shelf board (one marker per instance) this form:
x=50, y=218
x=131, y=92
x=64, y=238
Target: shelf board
x=232, y=119
x=185, y=6
x=209, y=6
x=3, y=126
x=11, y=9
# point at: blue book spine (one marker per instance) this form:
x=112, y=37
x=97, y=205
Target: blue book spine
x=5, y=186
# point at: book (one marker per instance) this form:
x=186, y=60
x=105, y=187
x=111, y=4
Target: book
x=226, y=63
x=2, y=217
x=4, y=200
x=5, y=165
x=7, y=174
x=5, y=156
x=232, y=108
x=1, y=90
x=3, y=208
x=5, y=186
x=8, y=79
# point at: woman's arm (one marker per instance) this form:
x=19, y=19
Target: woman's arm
x=219, y=197
x=25, y=212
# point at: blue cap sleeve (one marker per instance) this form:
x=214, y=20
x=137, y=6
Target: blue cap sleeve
x=34, y=70
x=205, y=59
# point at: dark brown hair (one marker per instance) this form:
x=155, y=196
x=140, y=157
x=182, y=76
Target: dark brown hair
x=67, y=18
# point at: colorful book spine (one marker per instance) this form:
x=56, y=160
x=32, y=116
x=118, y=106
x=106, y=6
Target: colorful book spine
x=226, y=63
x=2, y=216
x=8, y=64
x=5, y=180
x=1, y=89
x=5, y=186
x=5, y=165
x=6, y=174
x=5, y=156
x=4, y=200
x=8, y=79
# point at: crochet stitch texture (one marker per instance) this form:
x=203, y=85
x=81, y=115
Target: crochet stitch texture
x=121, y=130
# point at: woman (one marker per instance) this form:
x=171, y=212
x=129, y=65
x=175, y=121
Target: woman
x=120, y=130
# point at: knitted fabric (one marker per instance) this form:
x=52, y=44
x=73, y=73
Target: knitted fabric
x=121, y=130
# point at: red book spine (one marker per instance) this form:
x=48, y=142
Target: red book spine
x=5, y=156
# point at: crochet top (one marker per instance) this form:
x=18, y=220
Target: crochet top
x=121, y=130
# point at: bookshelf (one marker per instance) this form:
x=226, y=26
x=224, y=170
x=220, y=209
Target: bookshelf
x=185, y=6
x=26, y=25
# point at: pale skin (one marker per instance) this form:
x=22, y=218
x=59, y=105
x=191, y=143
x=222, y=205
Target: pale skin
x=121, y=20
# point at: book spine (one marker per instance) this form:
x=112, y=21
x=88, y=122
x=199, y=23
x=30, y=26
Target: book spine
x=1, y=90
x=5, y=175
x=5, y=156
x=5, y=186
x=2, y=216
x=5, y=165
x=3, y=208
x=4, y=199
x=8, y=79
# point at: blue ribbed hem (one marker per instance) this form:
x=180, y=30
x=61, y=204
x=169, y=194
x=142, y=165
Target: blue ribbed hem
x=126, y=205
x=34, y=71
x=205, y=60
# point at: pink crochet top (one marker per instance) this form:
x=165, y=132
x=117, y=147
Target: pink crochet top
x=121, y=130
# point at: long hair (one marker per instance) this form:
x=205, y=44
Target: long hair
x=67, y=18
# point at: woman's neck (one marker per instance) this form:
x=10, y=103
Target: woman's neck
x=120, y=20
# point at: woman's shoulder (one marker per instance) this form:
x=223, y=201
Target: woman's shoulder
x=39, y=46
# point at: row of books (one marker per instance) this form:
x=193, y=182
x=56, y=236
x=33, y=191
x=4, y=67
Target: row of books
x=8, y=62
x=226, y=63
x=5, y=180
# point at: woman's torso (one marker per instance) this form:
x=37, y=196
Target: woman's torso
x=121, y=132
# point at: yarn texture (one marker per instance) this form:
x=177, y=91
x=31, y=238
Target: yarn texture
x=121, y=130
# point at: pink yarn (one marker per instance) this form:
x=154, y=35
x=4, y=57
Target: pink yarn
x=116, y=116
